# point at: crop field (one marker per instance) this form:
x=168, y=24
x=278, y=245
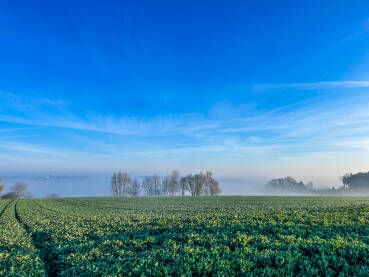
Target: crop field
x=185, y=236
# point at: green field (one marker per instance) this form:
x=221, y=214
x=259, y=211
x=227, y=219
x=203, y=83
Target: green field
x=174, y=236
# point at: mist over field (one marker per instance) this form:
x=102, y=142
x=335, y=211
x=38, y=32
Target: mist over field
x=40, y=186
x=98, y=185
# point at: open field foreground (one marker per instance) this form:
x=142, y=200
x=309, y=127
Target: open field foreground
x=223, y=236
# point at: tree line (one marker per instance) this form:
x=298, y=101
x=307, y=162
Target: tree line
x=199, y=184
x=351, y=183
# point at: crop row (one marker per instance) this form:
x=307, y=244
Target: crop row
x=18, y=255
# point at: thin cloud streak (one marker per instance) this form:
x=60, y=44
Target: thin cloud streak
x=29, y=148
x=314, y=85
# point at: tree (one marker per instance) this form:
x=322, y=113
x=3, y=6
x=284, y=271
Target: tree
x=52, y=196
x=346, y=180
x=190, y=184
x=156, y=184
x=148, y=185
x=288, y=184
x=214, y=187
x=208, y=182
x=135, y=187
x=114, y=185
x=166, y=185
x=173, y=185
x=200, y=181
x=310, y=185
x=123, y=182
x=198, y=184
x=183, y=185
x=126, y=181
x=21, y=190
x=358, y=182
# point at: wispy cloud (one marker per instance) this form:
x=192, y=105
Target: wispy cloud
x=314, y=85
x=56, y=113
x=21, y=148
x=362, y=30
x=320, y=129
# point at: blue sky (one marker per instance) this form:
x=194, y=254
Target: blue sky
x=247, y=89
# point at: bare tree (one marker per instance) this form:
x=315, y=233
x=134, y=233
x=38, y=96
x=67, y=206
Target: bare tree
x=21, y=190
x=123, y=180
x=198, y=184
x=156, y=184
x=135, y=187
x=18, y=188
x=114, y=185
x=126, y=181
x=173, y=183
x=183, y=185
x=120, y=183
x=215, y=187
x=190, y=183
x=166, y=185
x=209, y=178
x=200, y=181
x=148, y=185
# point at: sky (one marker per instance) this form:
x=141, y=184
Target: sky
x=250, y=90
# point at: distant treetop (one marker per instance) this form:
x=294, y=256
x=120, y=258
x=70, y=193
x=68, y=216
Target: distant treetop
x=288, y=184
x=358, y=182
